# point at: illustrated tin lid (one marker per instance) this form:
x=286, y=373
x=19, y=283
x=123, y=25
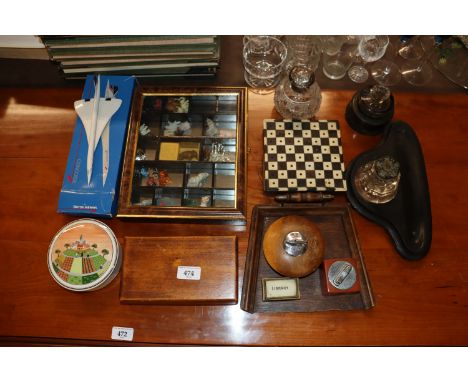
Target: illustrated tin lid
x=84, y=255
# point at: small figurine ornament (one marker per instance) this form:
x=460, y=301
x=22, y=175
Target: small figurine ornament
x=204, y=201
x=197, y=180
x=144, y=172
x=183, y=105
x=140, y=154
x=211, y=129
x=164, y=178
x=184, y=128
x=177, y=128
x=153, y=177
x=217, y=153
x=144, y=129
x=177, y=105
x=146, y=202
x=157, y=104
x=171, y=105
x=170, y=128
x=188, y=155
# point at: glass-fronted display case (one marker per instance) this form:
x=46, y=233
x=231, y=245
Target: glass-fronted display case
x=186, y=154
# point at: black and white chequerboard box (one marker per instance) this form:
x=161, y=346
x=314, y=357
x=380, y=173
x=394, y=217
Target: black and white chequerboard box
x=303, y=156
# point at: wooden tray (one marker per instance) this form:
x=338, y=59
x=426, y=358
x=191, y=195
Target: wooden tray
x=150, y=270
x=341, y=241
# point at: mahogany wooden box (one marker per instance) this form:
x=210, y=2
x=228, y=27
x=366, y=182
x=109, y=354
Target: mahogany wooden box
x=336, y=226
x=153, y=267
x=186, y=154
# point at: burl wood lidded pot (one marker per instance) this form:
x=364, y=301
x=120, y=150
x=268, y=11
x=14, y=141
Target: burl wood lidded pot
x=293, y=246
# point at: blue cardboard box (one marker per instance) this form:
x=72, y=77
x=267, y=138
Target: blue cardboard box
x=99, y=195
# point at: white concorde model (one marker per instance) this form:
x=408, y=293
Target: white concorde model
x=95, y=115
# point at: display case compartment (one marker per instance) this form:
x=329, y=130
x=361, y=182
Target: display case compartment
x=199, y=198
x=197, y=171
x=224, y=175
x=223, y=198
x=168, y=197
x=219, y=150
x=143, y=196
x=199, y=175
x=153, y=125
x=146, y=153
x=181, y=125
x=219, y=125
x=159, y=174
x=189, y=151
x=171, y=174
x=177, y=104
x=204, y=104
x=227, y=104
x=214, y=104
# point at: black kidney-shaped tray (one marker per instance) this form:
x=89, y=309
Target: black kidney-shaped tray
x=407, y=218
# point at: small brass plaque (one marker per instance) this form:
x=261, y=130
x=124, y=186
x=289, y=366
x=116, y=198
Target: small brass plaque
x=278, y=289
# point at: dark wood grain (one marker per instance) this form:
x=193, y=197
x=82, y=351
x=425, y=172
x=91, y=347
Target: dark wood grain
x=417, y=303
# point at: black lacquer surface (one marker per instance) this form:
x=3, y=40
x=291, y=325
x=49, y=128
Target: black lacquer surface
x=407, y=218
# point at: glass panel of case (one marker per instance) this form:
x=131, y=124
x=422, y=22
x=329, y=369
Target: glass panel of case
x=182, y=143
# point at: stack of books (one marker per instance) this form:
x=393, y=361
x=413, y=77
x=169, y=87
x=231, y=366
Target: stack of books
x=22, y=47
x=159, y=56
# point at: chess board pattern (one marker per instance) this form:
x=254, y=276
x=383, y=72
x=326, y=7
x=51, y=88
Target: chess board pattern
x=303, y=156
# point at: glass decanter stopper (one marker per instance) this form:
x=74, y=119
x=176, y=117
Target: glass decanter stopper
x=370, y=110
x=375, y=100
x=298, y=95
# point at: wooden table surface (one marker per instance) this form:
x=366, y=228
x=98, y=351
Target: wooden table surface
x=417, y=303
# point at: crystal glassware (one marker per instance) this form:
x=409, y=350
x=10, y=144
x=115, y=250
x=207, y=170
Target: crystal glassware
x=303, y=50
x=417, y=72
x=331, y=45
x=386, y=72
x=264, y=58
x=370, y=49
x=246, y=38
x=410, y=48
x=416, y=69
x=335, y=66
x=358, y=74
x=298, y=95
x=377, y=181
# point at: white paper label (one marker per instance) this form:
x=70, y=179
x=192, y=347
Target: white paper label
x=122, y=334
x=280, y=289
x=188, y=273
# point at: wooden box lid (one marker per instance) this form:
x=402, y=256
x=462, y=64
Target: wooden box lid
x=150, y=270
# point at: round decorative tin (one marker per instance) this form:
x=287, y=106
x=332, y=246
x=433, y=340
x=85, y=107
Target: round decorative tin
x=84, y=256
